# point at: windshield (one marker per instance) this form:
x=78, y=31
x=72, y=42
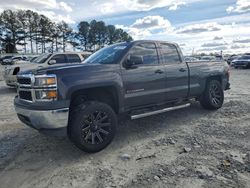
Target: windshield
x=41, y=59
x=244, y=57
x=32, y=59
x=107, y=55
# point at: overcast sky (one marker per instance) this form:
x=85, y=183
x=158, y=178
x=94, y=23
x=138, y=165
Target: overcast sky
x=202, y=25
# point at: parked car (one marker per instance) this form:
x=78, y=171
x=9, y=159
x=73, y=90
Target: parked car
x=139, y=78
x=231, y=58
x=190, y=59
x=208, y=58
x=42, y=61
x=5, y=58
x=29, y=59
x=241, y=61
x=11, y=61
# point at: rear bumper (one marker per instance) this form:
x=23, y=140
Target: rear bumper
x=43, y=119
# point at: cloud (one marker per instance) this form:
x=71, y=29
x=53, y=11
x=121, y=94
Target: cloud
x=146, y=5
x=56, y=17
x=55, y=10
x=242, y=41
x=240, y=7
x=176, y=5
x=215, y=49
x=199, y=28
x=107, y=8
x=212, y=44
x=218, y=38
x=152, y=22
x=36, y=4
x=146, y=26
x=65, y=6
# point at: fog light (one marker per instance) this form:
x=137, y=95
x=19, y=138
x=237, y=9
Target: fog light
x=51, y=81
x=51, y=94
x=46, y=95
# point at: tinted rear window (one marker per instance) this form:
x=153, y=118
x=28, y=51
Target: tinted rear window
x=169, y=53
x=73, y=58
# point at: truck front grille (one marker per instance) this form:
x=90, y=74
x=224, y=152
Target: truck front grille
x=24, y=81
x=25, y=95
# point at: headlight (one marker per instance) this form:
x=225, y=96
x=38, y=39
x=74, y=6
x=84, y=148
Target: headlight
x=45, y=87
x=7, y=70
x=45, y=81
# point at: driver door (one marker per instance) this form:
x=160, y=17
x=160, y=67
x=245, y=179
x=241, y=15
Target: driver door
x=144, y=83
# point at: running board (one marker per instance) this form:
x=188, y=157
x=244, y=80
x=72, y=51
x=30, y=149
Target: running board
x=159, y=111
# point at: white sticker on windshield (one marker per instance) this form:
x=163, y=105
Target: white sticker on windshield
x=120, y=47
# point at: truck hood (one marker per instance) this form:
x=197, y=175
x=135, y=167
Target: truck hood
x=38, y=69
x=27, y=66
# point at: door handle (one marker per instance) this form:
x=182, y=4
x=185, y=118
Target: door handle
x=182, y=70
x=159, y=71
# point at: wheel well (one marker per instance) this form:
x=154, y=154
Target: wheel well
x=16, y=70
x=106, y=95
x=218, y=78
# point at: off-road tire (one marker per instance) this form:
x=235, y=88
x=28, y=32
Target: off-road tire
x=213, y=96
x=85, y=121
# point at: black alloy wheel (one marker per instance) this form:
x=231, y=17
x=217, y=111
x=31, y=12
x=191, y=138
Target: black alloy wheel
x=92, y=126
x=213, y=96
x=96, y=127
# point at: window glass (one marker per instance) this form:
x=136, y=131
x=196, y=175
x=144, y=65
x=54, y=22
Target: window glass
x=108, y=55
x=60, y=58
x=169, y=53
x=73, y=58
x=42, y=58
x=147, y=51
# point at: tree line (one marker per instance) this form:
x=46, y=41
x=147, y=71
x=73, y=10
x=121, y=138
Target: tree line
x=36, y=33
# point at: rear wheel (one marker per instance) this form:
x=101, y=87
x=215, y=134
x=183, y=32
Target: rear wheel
x=92, y=126
x=213, y=97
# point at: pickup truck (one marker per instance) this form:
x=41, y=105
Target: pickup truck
x=43, y=60
x=136, y=79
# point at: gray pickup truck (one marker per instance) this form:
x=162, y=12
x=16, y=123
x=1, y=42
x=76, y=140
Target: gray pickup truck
x=139, y=79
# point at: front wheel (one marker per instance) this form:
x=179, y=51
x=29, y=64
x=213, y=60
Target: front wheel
x=92, y=126
x=213, y=96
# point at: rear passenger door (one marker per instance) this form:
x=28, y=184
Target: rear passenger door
x=73, y=58
x=176, y=72
x=143, y=83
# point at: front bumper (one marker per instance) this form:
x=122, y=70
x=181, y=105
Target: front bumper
x=11, y=81
x=43, y=119
x=9, y=78
x=242, y=64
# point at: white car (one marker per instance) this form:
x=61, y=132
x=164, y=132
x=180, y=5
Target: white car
x=12, y=60
x=30, y=59
x=44, y=60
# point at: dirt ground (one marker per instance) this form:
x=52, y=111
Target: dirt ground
x=188, y=148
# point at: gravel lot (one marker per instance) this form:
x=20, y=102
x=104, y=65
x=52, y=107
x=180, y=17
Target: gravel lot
x=187, y=148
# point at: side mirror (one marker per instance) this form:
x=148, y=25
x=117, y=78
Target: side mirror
x=133, y=60
x=52, y=62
